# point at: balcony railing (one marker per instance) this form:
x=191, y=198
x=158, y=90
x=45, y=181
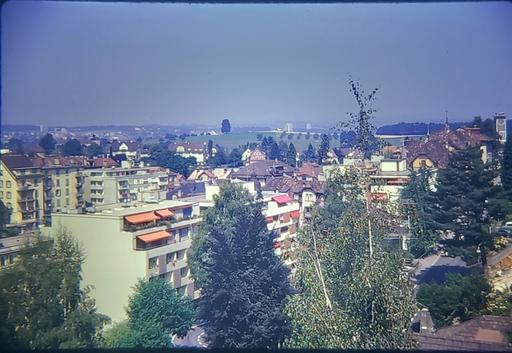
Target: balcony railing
x=128, y=227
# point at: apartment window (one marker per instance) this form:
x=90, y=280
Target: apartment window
x=57, y=192
x=8, y=195
x=284, y=230
x=1, y=183
x=182, y=254
x=67, y=192
x=3, y=261
x=184, y=232
x=67, y=182
x=57, y=181
x=58, y=202
x=11, y=259
x=171, y=257
x=152, y=263
x=67, y=201
x=9, y=205
x=184, y=271
x=1, y=194
x=8, y=184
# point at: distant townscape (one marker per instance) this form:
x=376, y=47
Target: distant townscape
x=417, y=211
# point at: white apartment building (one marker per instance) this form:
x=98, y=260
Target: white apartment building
x=390, y=179
x=125, y=185
x=124, y=244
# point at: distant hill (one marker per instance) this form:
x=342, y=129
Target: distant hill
x=414, y=128
x=19, y=128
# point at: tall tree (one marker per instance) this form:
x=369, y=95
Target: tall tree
x=43, y=304
x=156, y=311
x=351, y=294
x=162, y=157
x=244, y=283
x=209, y=148
x=72, y=147
x=506, y=166
x=235, y=158
x=47, y=142
x=225, y=126
x=361, y=121
x=324, y=148
x=15, y=145
x=283, y=151
x=93, y=150
x=417, y=202
x=309, y=155
x=275, y=152
x=291, y=155
x=477, y=121
x=488, y=128
x=461, y=204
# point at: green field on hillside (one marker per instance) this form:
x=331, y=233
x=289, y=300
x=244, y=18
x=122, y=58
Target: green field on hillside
x=235, y=139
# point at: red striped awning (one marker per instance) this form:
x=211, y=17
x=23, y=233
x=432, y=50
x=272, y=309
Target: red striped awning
x=165, y=213
x=142, y=218
x=281, y=199
x=295, y=214
x=155, y=236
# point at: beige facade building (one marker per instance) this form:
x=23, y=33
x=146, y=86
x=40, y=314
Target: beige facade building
x=21, y=190
x=124, y=244
x=125, y=185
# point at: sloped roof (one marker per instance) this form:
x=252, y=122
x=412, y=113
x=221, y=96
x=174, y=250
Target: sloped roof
x=311, y=169
x=104, y=162
x=132, y=145
x=487, y=333
x=264, y=168
x=190, y=147
x=293, y=185
x=16, y=161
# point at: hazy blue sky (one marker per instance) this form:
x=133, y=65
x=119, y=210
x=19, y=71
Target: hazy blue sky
x=95, y=63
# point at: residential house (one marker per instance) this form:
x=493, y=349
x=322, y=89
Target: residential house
x=129, y=148
x=260, y=171
x=11, y=246
x=250, y=156
x=389, y=180
x=197, y=150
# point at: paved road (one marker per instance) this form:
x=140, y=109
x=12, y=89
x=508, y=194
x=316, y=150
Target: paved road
x=193, y=339
x=435, y=267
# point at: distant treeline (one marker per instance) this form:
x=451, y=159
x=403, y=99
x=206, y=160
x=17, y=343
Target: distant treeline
x=415, y=128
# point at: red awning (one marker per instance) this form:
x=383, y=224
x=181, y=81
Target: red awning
x=165, y=213
x=277, y=244
x=282, y=199
x=270, y=219
x=295, y=214
x=155, y=236
x=142, y=218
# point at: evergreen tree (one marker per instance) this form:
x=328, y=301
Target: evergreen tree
x=244, y=283
x=15, y=145
x=43, y=306
x=324, y=148
x=506, y=166
x=274, y=152
x=417, y=200
x=309, y=155
x=283, y=151
x=266, y=144
x=210, y=148
x=351, y=294
x=72, y=147
x=47, y=142
x=461, y=204
x=235, y=158
x=291, y=155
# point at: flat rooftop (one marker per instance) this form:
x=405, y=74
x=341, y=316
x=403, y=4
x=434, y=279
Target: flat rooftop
x=120, y=211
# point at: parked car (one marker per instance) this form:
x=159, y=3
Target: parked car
x=504, y=231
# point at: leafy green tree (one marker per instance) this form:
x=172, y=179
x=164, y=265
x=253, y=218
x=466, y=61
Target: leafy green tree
x=15, y=145
x=244, y=283
x=417, y=202
x=283, y=151
x=225, y=126
x=266, y=144
x=121, y=335
x=460, y=297
x=291, y=155
x=477, y=121
x=93, y=150
x=324, y=148
x=162, y=157
x=259, y=137
x=156, y=311
x=488, y=128
x=72, y=147
x=43, y=306
x=506, y=166
x=47, y=142
x=219, y=159
x=235, y=157
x=460, y=204
x=351, y=293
